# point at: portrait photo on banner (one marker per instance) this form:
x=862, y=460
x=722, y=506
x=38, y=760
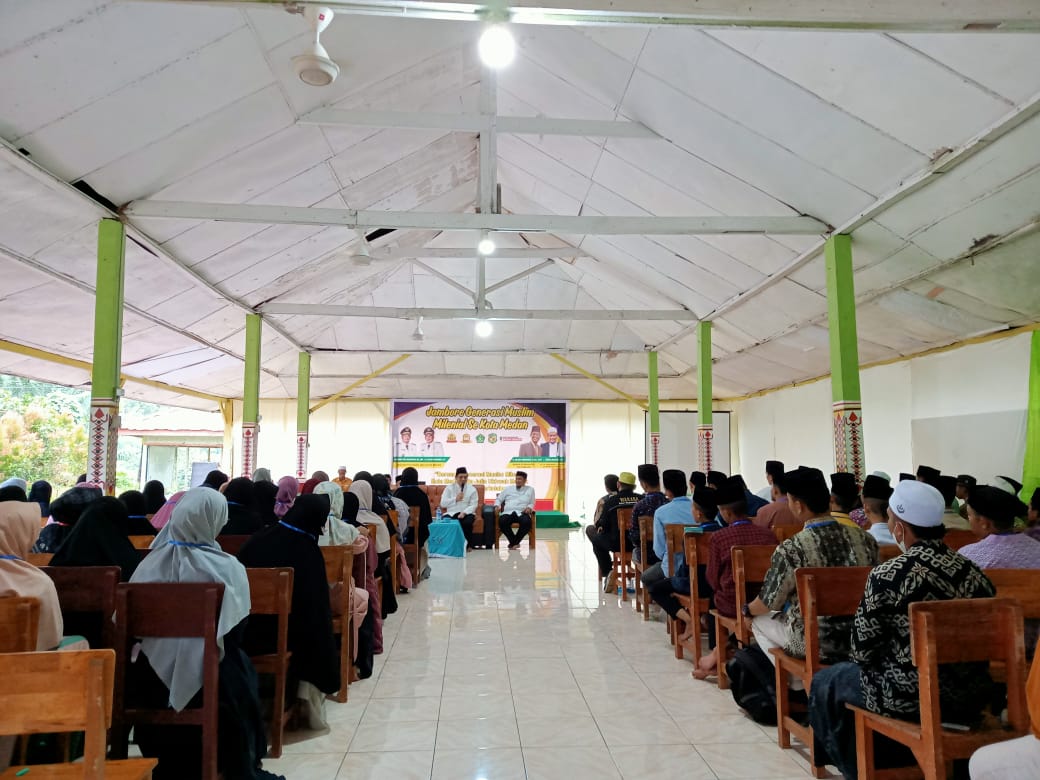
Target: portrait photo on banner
x=492, y=439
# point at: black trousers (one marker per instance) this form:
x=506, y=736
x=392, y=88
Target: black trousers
x=505, y=522
x=603, y=544
x=467, y=521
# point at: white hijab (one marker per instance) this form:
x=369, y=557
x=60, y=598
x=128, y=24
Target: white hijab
x=363, y=491
x=19, y=527
x=336, y=531
x=186, y=551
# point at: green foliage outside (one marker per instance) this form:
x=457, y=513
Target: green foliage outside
x=43, y=434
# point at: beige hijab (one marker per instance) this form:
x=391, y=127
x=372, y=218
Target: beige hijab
x=363, y=491
x=19, y=527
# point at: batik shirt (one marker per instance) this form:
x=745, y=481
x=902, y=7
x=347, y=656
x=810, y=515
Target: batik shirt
x=647, y=505
x=928, y=571
x=822, y=543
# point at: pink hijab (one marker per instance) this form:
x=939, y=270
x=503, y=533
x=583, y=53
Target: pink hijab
x=162, y=517
x=288, y=488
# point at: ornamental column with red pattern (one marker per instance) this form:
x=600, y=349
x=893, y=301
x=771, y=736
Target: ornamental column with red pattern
x=303, y=414
x=847, y=405
x=105, y=374
x=705, y=429
x=654, y=408
x=251, y=395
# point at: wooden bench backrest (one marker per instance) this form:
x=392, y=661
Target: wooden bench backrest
x=646, y=536
x=57, y=693
x=19, y=624
x=958, y=538
x=143, y=542
x=232, y=543
x=334, y=555
x=88, y=589
x=270, y=593
x=785, y=532
x=675, y=543
x=832, y=591
x=888, y=551
x=1022, y=585
x=39, y=559
x=750, y=564
x=962, y=630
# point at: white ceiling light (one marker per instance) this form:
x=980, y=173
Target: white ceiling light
x=314, y=67
x=497, y=47
x=483, y=328
x=362, y=256
x=486, y=246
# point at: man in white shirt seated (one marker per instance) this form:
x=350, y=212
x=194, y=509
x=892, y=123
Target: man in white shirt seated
x=459, y=500
x=517, y=506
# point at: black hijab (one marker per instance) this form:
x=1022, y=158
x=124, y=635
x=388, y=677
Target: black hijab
x=40, y=492
x=264, y=496
x=99, y=538
x=293, y=542
x=136, y=509
x=242, y=517
x=13, y=493
x=351, y=507
x=154, y=496
x=66, y=510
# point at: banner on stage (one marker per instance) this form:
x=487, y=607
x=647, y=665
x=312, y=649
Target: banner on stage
x=492, y=439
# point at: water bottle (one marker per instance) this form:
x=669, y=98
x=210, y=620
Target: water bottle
x=438, y=514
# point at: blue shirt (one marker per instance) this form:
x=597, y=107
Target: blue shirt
x=678, y=511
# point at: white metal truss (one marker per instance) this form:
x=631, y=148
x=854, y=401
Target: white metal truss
x=506, y=223
x=394, y=312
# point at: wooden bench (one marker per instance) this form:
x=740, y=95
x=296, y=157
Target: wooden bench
x=339, y=565
x=958, y=538
x=646, y=543
x=19, y=624
x=232, y=543
x=413, y=551
x=675, y=544
x=947, y=632
x=698, y=548
x=750, y=564
x=39, y=559
x=157, y=609
x=622, y=559
x=270, y=593
x=887, y=552
x=833, y=591
x=63, y=692
x=143, y=542
x=88, y=593
x=785, y=532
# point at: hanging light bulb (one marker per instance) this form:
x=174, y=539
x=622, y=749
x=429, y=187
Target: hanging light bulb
x=486, y=246
x=483, y=328
x=497, y=47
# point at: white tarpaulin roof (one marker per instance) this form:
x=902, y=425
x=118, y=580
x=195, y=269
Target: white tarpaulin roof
x=198, y=103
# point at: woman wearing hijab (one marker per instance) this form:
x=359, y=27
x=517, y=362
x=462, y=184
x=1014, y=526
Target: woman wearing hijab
x=288, y=488
x=215, y=479
x=137, y=513
x=162, y=517
x=13, y=490
x=412, y=495
x=308, y=487
x=19, y=525
x=336, y=531
x=363, y=491
x=242, y=517
x=154, y=497
x=320, y=476
x=100, y=539
x=65, y=513
x=262, y=475
x=293, y=542
x=40, y=492
x=264, y=495
x=168, y=671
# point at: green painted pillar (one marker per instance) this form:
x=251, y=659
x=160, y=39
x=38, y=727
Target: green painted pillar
x=705, y=429
x=1031, y=467
x=251, y=395
x=654, y=404
x=847, y=405
x=105, y=390
x=303, y=414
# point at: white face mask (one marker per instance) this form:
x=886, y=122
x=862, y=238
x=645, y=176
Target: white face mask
x=901, y=543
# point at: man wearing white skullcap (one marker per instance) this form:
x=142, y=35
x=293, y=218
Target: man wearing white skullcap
x=881, y=676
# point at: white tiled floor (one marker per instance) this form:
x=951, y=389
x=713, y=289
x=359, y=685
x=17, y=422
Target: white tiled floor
x=508, y=665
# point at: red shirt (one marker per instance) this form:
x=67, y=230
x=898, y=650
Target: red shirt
x=720, y=561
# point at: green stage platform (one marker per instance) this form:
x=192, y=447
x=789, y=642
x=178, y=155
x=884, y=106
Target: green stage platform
x=555, y=520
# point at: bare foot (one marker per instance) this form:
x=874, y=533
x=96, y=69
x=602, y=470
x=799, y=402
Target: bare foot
x=703, y=674
x=686, y=635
